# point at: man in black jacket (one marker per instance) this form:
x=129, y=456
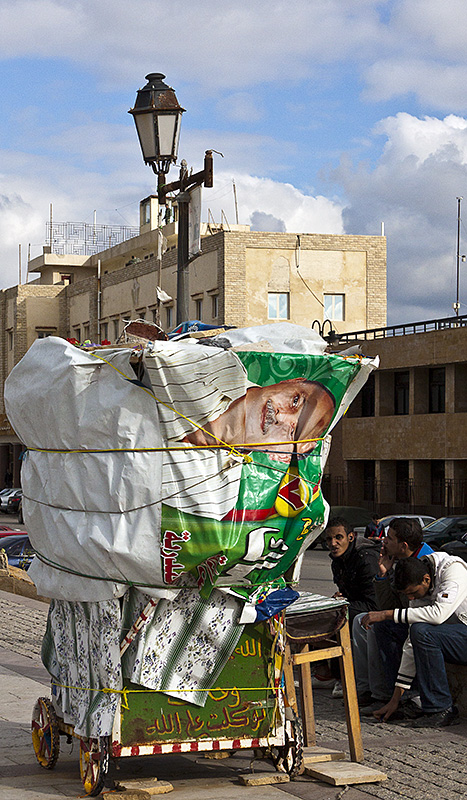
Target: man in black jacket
x=353, y=569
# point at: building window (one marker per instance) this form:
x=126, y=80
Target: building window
x=215, y=306
x=199, y=309
x=402, y=482
x=401, y=392
x=334, y=307
x=437, y=390
x=66, y=279
x=368, y=397
x=86, y=331
x=369, y=481
x=116, y=324
x=44, y=334
x=146, y=212
x=77, y=334
x=141, y=315
x=278, y=305
x=10, y=340
x=169, y=317
x=437, y=483
x=104, y=331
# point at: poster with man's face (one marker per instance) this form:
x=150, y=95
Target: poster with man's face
x=277, y=426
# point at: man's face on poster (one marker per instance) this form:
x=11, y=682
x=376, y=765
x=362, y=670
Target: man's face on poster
x=286, y=412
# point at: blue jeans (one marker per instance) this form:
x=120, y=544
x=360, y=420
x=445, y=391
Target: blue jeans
x=390, y=637
x=432, y=646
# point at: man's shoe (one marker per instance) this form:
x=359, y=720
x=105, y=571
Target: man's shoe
x=365, y=699
x=337, y=691
x=322, y=683
x=375, y=705
x=440, y=719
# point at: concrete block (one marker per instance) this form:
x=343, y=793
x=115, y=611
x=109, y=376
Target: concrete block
x=263, y=778
x=339, y=773
x=217, y=754
x=139, y=789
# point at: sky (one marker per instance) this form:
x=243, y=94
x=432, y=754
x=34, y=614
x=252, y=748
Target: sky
x=333, y=116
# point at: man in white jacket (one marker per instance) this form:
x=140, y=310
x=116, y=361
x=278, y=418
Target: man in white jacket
x=436, y=587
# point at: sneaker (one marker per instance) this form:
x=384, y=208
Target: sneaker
x=440, y=719
x=365, y=698
x=337, y=691
x=322, y=683
x=367, y=711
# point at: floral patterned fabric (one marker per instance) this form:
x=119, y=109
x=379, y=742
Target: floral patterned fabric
x=81, y=651
x=184, y=646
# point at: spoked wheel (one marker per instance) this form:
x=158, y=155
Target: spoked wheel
x=45, y=733
x=289, y=757
x=93, y=764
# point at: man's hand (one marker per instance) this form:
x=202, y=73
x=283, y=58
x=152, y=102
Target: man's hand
x=385, y=562
x=388, y=710
x=338, y=596
x=375, y=616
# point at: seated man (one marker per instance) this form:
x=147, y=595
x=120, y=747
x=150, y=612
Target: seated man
x=377, y=652
x=436, y=588
x=353, y=570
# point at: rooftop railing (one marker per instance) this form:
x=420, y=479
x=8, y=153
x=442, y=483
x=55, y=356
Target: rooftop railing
x=404, y=330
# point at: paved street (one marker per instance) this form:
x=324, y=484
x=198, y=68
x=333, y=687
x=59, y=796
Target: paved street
x=419, y=764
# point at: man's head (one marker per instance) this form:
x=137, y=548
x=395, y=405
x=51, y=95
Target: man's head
x=412, y=577
x=338, y=535
x=288, y=411
x=403, y=538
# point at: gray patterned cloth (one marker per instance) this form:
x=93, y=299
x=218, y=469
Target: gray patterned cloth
x=184, y=646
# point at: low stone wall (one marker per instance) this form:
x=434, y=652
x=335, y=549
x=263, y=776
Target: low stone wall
x=17, y=581
x=457, y=677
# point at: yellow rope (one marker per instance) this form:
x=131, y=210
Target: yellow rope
x=125, y=692
x=246, y=445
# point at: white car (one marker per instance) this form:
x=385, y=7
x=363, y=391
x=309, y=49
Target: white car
x=423, y=519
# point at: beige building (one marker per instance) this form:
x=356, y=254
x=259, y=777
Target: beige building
x=240, y=278
x=402, y=447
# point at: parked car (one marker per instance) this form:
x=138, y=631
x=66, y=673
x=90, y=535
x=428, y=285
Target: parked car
x=20, y=512
x=18, y=549
x=5, y=530
x=5, y=496
x=423, y=519
x=444, y=530
x=355, y=516
x=13, y=502
x=456, y=548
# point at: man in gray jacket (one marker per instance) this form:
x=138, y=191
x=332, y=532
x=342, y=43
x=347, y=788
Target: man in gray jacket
x=436, y=587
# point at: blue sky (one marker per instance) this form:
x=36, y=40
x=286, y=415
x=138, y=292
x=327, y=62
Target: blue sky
x=333, y=116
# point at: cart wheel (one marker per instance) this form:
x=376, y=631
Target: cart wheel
x=93, y=764
x=45, y=733
x=289, y=757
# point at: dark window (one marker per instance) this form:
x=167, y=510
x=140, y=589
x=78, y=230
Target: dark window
x=368, y=397
x=402, y=482
x=437, y=390
x=369, y=481
x=437, y=483
x=401, y=392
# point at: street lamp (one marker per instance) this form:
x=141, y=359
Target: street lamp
x=157, y=114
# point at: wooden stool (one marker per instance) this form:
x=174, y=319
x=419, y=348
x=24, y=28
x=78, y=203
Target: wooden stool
x=341, y=649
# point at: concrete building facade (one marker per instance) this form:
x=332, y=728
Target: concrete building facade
x=402, y=447
x=240, y=278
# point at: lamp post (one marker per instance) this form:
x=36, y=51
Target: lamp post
x=157, y=114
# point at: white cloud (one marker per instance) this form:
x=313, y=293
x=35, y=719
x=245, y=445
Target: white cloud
x=413, y=189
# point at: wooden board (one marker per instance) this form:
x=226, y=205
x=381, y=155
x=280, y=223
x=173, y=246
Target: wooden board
x=340, y=773
x=313, y=755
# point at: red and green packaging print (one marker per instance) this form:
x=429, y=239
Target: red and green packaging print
x=264, y=505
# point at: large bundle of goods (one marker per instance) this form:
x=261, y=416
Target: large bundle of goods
x=181, y=476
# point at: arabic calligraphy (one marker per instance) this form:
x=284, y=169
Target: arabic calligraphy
x=171, y=545
x=233, y=714
x=249, y=647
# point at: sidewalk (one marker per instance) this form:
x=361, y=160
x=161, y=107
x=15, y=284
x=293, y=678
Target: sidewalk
x=419, y=763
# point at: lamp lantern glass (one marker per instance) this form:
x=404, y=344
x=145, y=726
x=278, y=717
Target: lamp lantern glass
x=157, y=114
